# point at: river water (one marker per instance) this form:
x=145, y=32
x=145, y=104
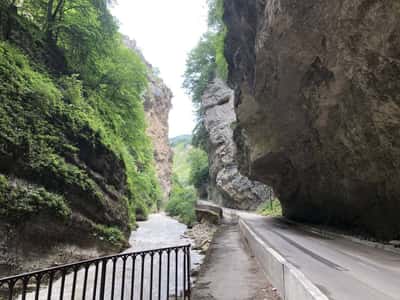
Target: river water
x=159, y=231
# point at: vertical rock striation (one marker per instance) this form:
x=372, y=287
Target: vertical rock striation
x=318, y=106
x=227, y=186
x=157, y=105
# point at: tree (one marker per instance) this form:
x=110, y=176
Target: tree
x=204, y=63
x=198, y=160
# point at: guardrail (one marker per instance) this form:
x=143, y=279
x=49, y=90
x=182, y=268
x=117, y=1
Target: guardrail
x=154, y=274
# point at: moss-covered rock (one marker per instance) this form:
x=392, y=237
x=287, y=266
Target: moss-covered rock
x=76, y=164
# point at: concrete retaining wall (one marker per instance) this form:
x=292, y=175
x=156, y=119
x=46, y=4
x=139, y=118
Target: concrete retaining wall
x=287, y=279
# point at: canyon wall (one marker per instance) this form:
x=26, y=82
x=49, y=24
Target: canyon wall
x=317, y=87
x=157, y=105
x=227, y=186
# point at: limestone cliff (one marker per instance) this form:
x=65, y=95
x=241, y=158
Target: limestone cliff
x=318, y=106
x=157, y=104
x=227, y=186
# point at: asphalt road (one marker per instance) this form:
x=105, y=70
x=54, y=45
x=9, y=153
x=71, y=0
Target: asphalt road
x=342, y=269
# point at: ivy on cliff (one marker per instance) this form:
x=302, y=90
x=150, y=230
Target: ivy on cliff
x=47, y=115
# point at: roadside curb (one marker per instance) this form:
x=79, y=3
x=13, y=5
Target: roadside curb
x=290, y=282
x=360, y=241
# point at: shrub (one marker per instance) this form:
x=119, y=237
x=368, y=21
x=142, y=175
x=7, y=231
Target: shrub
x=182, y=202
x=18, y=202
x=198, y=161
x=112, y=235
x=270, y=208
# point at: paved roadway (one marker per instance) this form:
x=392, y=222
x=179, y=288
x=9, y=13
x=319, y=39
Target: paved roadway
x=342, y=269
x=230, y=272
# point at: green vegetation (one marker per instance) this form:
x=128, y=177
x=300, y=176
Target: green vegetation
x=204, y=63
x=112, y=235
x=207, y=61
x=71, y=105
x=181, y=202
x=270, y=208
x=19, y=203
x=190, y=171
x=182, y=146
x=185, y=139
x=198, y=162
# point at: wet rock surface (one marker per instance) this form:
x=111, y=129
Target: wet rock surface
x=227, y=186
x=317, y=89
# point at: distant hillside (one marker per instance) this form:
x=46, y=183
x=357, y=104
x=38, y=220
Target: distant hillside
x=181, y=146
x=185, y=138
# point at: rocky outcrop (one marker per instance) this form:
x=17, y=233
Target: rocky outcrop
x=157, y=104
x=318, y=106
x=227, y=186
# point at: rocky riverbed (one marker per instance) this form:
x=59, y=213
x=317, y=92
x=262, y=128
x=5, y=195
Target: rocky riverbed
x=201, y=234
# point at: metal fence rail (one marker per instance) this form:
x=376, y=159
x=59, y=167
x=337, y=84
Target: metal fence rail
x=155, y=274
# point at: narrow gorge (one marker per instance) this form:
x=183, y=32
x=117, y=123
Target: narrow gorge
x=210, y=149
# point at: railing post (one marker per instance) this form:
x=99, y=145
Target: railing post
x=103, y=278
x=98, y=268
x=188, y=272
x=184, y=272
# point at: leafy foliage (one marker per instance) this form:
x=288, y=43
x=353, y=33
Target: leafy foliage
x=20, y=203
x=49, y=117
x=181, y=166
x=198, y=161
x=110, y=234
x=183, y=197
x=204, y=63
x=181, y=202
x=270, y=208
x=200, y=67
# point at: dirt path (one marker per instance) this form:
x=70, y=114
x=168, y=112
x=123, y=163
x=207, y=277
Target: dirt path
x=230, y=272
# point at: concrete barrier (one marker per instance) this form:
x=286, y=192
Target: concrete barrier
x=210, y=213
x=286, y=278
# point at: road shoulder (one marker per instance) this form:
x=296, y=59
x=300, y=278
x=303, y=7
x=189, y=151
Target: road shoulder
x=230, y=272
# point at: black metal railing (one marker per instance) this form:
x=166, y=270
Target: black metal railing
x=153, y=274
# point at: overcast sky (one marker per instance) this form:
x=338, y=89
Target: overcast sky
x=165, y=31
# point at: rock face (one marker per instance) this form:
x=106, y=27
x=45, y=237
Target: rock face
x=318, y=106
x=227, y=186
x=157, y=105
